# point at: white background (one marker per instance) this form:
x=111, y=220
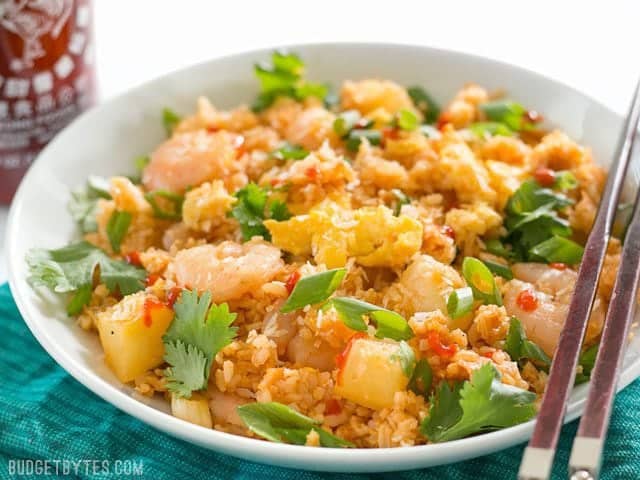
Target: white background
x=593, y=46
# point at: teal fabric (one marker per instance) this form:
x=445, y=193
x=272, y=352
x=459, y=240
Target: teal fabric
x=46, y=414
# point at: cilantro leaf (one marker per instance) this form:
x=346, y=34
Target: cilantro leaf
x=284, y=78
x=249, y=211
x=83, y=204
x=188, y=370
x=117, y=227
x=280, y=423
x=520, y=348
x=72, y=269
x=477, y=405
x=197, y=333
x=169, y=120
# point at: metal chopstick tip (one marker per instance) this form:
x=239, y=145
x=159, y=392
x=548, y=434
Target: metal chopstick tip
x=581, y=475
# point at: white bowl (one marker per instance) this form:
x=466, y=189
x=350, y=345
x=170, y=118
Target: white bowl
x=105, y=141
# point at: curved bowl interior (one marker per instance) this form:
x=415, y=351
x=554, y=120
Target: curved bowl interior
x=105, y=140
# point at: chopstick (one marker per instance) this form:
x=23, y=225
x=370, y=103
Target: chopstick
x=586, y=454
x=537, y=460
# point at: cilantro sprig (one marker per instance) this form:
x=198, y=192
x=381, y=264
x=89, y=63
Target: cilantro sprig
x=253, y=207
x=284, y=77
x=72, y=269
x=535, y=230
x=520, y=348
x=280, y=423
x=83, y=204
x=197, y=333
x=477, y=405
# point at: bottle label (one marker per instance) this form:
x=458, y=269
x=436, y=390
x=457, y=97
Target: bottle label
x=46, y=74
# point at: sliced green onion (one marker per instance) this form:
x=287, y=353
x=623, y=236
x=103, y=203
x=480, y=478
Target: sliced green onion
x=80, y=298
x=560, y=250
x=169, y=120
x=425, y=103
x=402, y=199
x=117, y=227
x=99, y=186
x=565, y=180
x=429, y=131
x=460, y=302
x=496, y=247
x=481, y=281
x=520, y=348
x=345, y=122
x=499, y=269
x=406, y=357
x=356, y=135
x=587, y=361
x=422, y=378
x=407, y=120
x=484, y=129
x=510, y=113
x=176, y=199
x=389, y=324
x=314, y=289
x=290, y=152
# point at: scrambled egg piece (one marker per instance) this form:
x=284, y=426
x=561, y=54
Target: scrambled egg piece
x=332, y=234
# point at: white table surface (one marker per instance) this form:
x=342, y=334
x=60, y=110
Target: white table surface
x=589, y=45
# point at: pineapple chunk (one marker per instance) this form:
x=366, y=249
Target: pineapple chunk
x=194, y=410
x=369, y=374
x=131, y=334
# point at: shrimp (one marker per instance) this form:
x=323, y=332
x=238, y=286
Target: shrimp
x=191, y=158
x=280, y=327
x=552, y=289
x=311, y=127
x=307, y=350
x=228, y=270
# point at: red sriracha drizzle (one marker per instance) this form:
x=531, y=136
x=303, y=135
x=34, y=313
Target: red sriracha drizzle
x=558, y=265
x=149, y=305
x=151, y=279
x=341, y=358
x=527, y=300
x=133, y=258
x=333, y=407
x=173, y=295
x=292, y=280
x=312, y=173
x=238, y=144
x=441, y=349
x=449, y=232
x=545, y=176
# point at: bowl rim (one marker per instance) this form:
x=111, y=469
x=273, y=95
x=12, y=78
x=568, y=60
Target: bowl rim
x=264, y=451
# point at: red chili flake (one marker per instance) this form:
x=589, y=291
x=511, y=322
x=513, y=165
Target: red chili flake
x=333, y=407
x=488, y=354
x=133, y=258
x=312, y=172
x=341, y=358
x=212, y=129
x=441, y=349
x=238, y=144
x=533, y=116
x=558, y=265
x=173, y=295
x=151, y=279
x=391, y=133
x=449, y=232
x=527, y=300
x=292, y=280
x=443, y=119
x=150, y=304
x=545, y=176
